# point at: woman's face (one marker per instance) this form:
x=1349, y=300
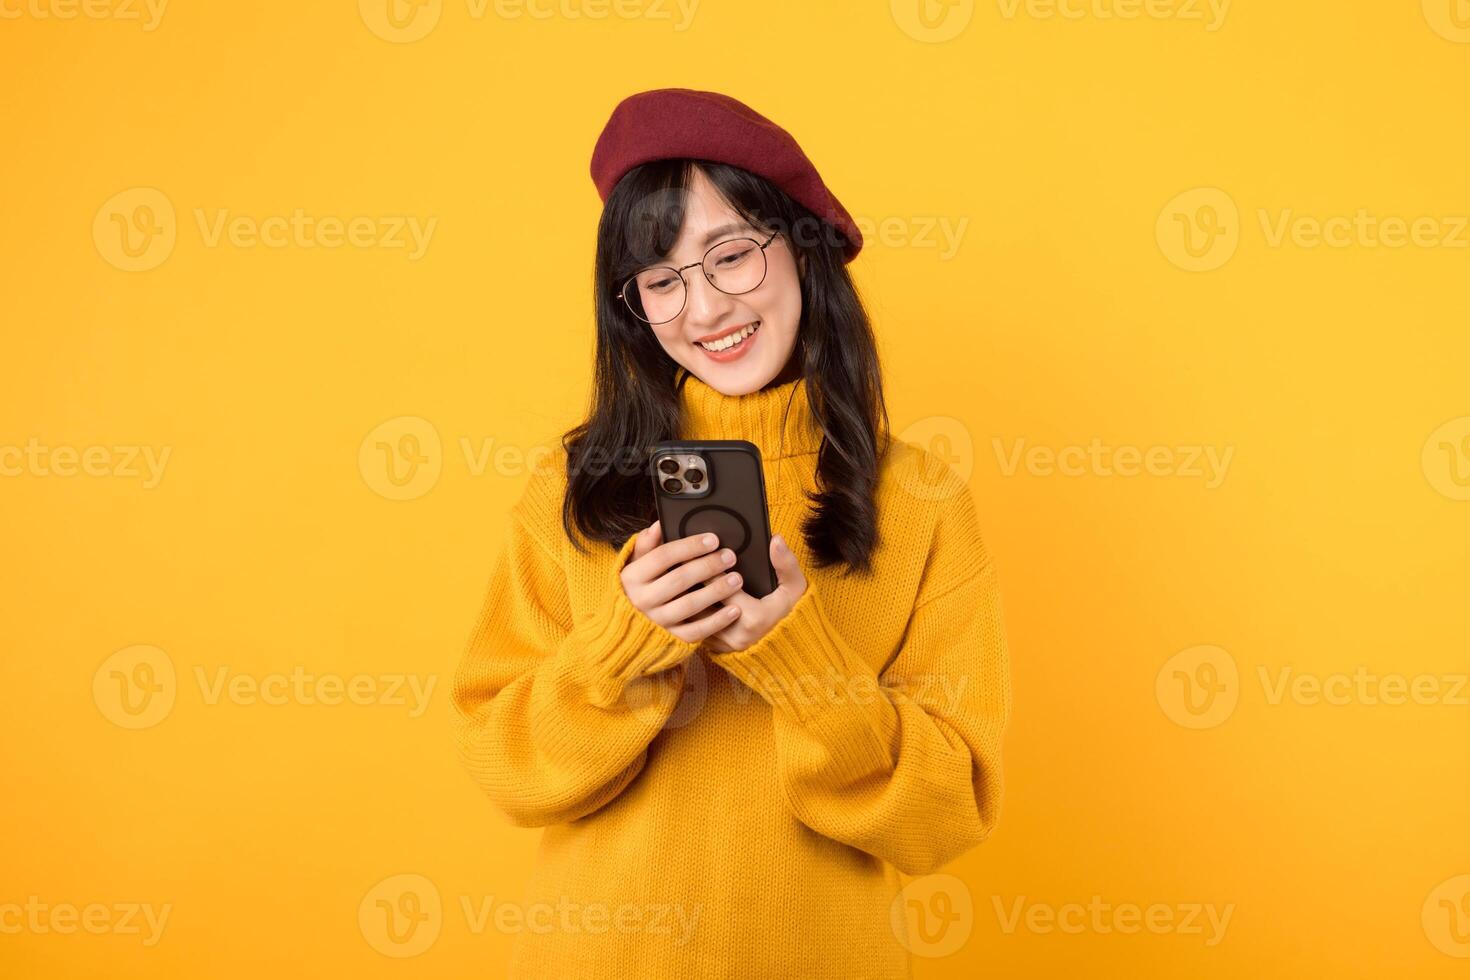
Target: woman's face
x=773, y=307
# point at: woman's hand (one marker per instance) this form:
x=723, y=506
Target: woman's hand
x=658, y=573
x=759, y=616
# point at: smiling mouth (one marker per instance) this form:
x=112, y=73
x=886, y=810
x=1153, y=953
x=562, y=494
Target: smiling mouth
x=730, y=340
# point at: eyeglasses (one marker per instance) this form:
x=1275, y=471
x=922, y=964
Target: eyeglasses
x=734, y=266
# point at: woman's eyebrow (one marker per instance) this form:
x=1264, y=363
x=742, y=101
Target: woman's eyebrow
x=725, y=229
x=709, y=239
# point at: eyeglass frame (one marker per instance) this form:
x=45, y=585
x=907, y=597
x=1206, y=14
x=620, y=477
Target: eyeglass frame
x=623, y=289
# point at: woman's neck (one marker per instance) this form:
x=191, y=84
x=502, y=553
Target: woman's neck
x=777, y=418
x=789, y=373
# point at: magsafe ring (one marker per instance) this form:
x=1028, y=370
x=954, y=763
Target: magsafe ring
x=725, y=524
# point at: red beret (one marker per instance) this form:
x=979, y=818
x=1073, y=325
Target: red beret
x=678, y=122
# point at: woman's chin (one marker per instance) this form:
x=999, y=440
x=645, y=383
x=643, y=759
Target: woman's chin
x=738, y=378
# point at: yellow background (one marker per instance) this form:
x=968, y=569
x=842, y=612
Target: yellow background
x=1336, y=540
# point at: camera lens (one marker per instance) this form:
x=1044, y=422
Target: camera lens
x=672, y=485
x=693, y=476
x=669, y=465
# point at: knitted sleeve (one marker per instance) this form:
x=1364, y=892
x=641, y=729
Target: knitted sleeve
x=903, y=764
x=553, y=717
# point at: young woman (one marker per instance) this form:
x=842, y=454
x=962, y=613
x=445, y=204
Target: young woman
x=730, y=786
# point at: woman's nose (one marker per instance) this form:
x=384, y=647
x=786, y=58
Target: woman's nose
x=707, y=304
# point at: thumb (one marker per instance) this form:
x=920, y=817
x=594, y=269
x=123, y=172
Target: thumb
x=788, y=569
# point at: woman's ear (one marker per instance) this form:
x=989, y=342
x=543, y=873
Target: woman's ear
x=801, y=265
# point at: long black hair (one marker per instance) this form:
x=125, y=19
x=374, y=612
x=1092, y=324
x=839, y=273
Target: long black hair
x=635, y=400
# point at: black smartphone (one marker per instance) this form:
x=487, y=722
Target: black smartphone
x=717, y=486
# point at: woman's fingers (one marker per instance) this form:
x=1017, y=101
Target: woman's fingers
x=683, y=607
x=789, y=577
x=758, y=616
x=682, y=578
x=707, y=626
x=649, y=538
x=674, y=583
x=660, y=559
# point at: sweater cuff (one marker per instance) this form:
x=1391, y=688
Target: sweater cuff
x=621, y=644
x=807, y=670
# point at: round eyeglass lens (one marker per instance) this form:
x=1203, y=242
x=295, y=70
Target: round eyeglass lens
x=657, y=295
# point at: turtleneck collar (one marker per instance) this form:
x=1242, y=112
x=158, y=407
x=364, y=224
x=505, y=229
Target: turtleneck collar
x=777, y=419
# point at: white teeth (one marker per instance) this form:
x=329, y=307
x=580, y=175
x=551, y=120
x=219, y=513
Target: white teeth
x=724, y=343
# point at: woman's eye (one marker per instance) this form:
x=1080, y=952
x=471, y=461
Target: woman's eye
x=732, y=259
x=658, y=285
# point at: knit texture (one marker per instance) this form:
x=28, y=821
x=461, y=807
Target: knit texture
x=740, y=814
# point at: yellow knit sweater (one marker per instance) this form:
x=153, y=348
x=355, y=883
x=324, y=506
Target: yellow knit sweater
x=741, y=814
